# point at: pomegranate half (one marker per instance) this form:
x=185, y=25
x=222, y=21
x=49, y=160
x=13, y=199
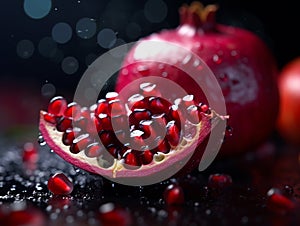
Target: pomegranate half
x=139, y=140
x=241, y=62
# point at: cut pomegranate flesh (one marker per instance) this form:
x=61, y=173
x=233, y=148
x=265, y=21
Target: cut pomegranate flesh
x=140, y=137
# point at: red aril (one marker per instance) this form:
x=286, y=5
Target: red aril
x=174, y=195
x=60, y=184
x=241, y=62
x=288, y=124
x=143, y=144
x=111, y=214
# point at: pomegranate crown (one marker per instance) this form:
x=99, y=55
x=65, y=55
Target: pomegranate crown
x=198, y=15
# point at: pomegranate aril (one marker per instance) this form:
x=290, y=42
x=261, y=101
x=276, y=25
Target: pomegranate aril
x=219, y=181
x=131, y=159
x=138, y=115
x=136, y=139
x=111, y=96
x=174, y=195
x=80, y=143
x=119, y=122
x=158, y=105
x=102, y=107
x=57, y=106
x=149, y=129
x=110, y=214
x=73, y=110
x=107, y=137
x=60, y=184
x=50, y=117
x=136, y=101
x=149, y=89
x=194, y=114
x=188, y=100
x=114, y=150
x=94, y=150
x=69, y=135
x=30, y=153
x=116, y=107
x=204, y=108
x=146, y=157
x=162, y=146
x=175, y=114
x=64, y=123
x=279, y=203
x=104, y=122
x=173, y=133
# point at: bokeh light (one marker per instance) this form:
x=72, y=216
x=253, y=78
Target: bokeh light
x=25, y=49
x=106, y=38
x=37, y=9
x=47, y=47
x=133, y=30
x=61, y=33
x=155, y=11
x=86, y=28
x=70, y=65
x=48, y=90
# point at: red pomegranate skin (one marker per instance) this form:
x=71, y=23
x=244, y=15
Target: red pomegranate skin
x=242, y=63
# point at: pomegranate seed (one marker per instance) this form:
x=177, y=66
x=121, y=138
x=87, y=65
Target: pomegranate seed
x=158, y=105
x=279, y=203
x=104, y=122
x=143, y=70
x=111, y=96
x=188, y=100
x=81, y=122
x=163, y=145
x=119, y=122
x=131, y=159
x=73, y=110
x=219, y=181
x=60, y=184
x=174, y=195
x=102, y=107
x=173, y=133
x=136, y=139
x=193, y=115
x=116, y=107
x=113, y=150
x=148, y=127
x=63, y=124
x=80, y=143
x=107, y=137
x=175, y=115
x=136, y=101
x=138, y=115
x=204, y=108
x=57, y=106
x=110, y=214
x=93, y=150
x=147, y=157
x=30, y=153
x=149, y=89
x=50, y=117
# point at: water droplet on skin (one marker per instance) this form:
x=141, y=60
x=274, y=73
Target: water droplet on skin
x=217, y=59
x=187, y=59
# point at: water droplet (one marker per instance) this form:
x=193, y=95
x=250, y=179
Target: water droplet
x=187, y=59
x=217, y=59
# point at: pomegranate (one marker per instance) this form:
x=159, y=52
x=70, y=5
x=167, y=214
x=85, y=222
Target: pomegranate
x=137, y=140
x=60, y=184
x=241, y=62
x=174, y=195
x=288, y=124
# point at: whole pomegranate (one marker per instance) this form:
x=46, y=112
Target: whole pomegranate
x=242, y=63
x=288, y=124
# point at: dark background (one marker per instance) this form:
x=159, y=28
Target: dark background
x=274, y=22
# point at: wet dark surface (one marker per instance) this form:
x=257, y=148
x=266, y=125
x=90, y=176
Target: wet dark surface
x=245, y=202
